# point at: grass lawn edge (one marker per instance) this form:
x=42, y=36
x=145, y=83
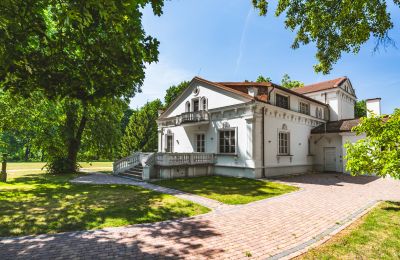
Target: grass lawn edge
x=354, y=221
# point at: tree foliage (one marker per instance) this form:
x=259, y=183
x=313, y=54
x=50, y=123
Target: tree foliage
x=141, y=132
x=378, y=153
x=82, y=54
x=360, y=109
x=335, y=26
x=174, y=91
x=286, y=82
x=261, y=78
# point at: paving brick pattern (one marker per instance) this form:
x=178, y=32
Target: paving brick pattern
x=263, y=229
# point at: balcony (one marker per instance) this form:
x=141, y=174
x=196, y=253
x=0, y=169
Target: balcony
x=193, y=118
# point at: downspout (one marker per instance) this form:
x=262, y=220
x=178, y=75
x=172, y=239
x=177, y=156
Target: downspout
x=263, y=141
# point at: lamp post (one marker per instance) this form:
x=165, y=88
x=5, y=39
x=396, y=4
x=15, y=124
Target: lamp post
x=3, y=174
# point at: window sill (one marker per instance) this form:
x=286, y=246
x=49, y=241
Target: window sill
x=310, y=154
x=227, y=154
x=284, y=155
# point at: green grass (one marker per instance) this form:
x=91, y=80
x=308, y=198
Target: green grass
x=37, y=203
x=228, y=190
x=39, y=165
x=375, y=236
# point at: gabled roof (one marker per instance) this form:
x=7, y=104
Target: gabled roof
x=262, y=96
x=324, y=85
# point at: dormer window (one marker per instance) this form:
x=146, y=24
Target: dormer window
x=204, y=103
x=187, y=106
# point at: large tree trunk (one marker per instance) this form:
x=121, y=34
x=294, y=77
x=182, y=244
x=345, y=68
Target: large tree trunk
x=74, y=135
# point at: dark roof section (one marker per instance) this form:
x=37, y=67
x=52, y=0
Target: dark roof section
x=243, y=86
x=324, y=85
x=336, y=126
x=372, y=99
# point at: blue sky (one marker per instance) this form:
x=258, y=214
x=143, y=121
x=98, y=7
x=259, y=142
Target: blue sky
x=226, y=40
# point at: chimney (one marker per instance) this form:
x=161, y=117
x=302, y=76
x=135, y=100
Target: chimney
x=374, y=106
x=160, y=111
x=253, y=91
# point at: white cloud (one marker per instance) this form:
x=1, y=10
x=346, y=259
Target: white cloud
x=160, y=76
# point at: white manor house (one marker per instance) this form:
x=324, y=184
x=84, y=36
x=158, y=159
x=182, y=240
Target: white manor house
x=250, y=129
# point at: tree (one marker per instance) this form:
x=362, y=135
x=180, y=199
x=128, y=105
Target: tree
x=174, y=91
x=288, y=83
x=360, y=109
x=141, y=133
x=335, y=26
x=378, y=153
x=261, y=79
x=75, y=52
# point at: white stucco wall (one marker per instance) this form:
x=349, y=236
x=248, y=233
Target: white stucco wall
x=351, y=138
x=321, y=141
x=216, y=98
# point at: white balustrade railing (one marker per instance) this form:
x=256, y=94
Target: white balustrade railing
x=126, y=163
x=176, y=159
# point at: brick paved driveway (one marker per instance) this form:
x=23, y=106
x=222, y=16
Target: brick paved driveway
x=269, y=228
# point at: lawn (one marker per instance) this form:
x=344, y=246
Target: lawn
x=39, y=165
x=375, y=236
x=33, y=202
x=228, y=190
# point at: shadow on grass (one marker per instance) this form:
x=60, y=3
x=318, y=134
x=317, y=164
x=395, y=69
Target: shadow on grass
x=394, y=206
x=40, y=204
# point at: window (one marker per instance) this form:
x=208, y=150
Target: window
x=170, y=143
x=304, y=108
x=200, y=143
x=204, y=104
x=195, y=105
x=187, y=107
x=227, y=141
x=318, y=112
x=282, y=101
x=284, y=143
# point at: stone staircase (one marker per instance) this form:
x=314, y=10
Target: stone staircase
x=134, y=173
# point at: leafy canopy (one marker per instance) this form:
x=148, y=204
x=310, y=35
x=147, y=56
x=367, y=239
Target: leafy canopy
x=174, y=91
x=335, y=26
x=286, y=82
x=141, y=132
x=379, y=151
x=77, y=49
x=360, y=109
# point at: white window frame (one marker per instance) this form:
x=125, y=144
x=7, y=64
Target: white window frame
x=204, y=103
x=172, y=143
x=197, y=144
x=192, y=104
x=287, y=133
x=304, y=104
x=219, y=141
x=187, y=106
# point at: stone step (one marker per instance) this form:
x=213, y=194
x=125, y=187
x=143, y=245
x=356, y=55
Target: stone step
x=136, y=177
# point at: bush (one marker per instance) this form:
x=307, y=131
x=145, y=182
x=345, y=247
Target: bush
x=61, y=166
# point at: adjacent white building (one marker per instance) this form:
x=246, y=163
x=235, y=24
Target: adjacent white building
x=253, y=130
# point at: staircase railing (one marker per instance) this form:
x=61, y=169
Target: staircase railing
x=126, y=163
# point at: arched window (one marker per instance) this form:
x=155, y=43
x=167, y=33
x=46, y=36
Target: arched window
x=204, y=103
x=187, y=107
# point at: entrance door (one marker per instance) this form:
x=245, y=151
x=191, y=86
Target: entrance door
x=330, y=159
x=170, y=143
